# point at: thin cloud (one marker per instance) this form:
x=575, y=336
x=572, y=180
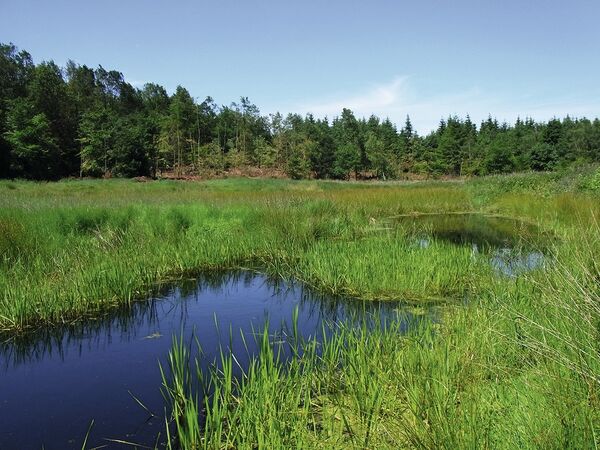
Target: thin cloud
x=400, y=97
x=377, y=98
x=135, y=82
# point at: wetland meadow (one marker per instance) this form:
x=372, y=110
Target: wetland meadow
x=299, y=225
x=245, y=313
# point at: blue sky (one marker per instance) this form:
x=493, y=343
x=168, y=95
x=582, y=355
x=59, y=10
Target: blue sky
x=428, y=59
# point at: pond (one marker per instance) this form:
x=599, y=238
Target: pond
x=511, y=246
x=55, y=382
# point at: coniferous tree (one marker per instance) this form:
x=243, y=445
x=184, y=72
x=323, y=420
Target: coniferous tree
x=178, y=129
x=80, y=121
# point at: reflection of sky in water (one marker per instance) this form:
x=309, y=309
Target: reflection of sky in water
x=511, y=262
x=509, y=245
x=423, y=242
x=505, y=261
x=54, y=382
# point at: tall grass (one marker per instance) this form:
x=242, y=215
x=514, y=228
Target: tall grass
x=512, y=362
x=519, y=368
x=75, y=249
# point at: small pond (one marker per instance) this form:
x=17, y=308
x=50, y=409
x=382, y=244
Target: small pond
x=511, y=245
x=54, y=383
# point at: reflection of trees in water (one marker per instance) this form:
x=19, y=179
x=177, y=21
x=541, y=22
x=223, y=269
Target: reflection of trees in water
x=484, y=231
x=127, y=323
x=122, y=324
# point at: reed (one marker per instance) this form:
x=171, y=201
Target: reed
x=509, y=362
x=517, y=369
x=76, y=249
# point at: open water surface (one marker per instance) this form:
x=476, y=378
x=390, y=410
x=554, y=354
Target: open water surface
x=511, y=246
x=53, y=383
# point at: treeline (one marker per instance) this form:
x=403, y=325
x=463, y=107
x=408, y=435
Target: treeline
x=77, y=121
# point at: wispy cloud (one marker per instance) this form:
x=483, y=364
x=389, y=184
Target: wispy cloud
x=134, y=81
x=400, y=97
x=377, y=98
x=137, y=83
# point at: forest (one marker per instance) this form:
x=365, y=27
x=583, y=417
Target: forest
x=76, y=121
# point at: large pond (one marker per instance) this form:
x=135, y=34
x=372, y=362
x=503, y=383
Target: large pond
x=54, y=383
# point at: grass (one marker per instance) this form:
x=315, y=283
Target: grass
x=516, y=366
x=75, y=249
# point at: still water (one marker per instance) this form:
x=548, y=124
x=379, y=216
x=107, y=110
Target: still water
x=54, y=383
x=512, y=247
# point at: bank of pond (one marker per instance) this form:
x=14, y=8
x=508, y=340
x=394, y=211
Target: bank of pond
x=99, y=381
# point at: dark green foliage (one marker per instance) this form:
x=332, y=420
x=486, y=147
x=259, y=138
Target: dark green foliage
x=297, y=165
x=542, y=156
x=96, y=131
x=47, y=94
x=14, y=72
x=79, y=121
x=35, y=149
x=347, y=158
x=133, y=146
x=322, y=155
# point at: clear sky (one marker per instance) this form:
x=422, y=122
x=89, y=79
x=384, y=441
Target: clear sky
x=426, y=58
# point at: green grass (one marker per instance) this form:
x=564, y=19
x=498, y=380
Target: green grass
x=75, y=249
x=516, y=366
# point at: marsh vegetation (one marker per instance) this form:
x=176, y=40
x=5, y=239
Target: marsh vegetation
x=511, y=360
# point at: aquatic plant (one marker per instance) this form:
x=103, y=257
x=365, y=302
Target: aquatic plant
x=511, y=364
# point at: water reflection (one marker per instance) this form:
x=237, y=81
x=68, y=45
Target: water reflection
x=480, y=229
x=511, y=262
x=511, y=246
x=130, y=323
x=54, y=382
